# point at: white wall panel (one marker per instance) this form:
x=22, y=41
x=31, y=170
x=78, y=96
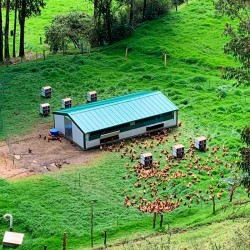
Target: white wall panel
x=93, y=143
x=77, y=135
x=59, y=123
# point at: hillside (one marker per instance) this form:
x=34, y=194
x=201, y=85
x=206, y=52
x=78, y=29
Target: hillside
x=45, y=206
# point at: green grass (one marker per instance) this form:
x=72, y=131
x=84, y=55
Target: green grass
x=46, y=206
x=214, y=236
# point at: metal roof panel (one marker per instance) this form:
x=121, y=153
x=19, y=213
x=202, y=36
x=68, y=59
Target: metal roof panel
x=99, y=115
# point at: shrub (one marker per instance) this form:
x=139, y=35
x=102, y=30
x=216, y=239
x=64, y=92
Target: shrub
x=223, y=90
x=65, y=29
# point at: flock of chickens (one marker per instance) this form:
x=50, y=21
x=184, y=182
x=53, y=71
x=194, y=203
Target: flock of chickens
x=171, y=181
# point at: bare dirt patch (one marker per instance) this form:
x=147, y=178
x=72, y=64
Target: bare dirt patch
x=33, y=154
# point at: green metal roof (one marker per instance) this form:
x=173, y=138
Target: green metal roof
x=103, y=114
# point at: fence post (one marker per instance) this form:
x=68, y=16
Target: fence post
x=161, y=221
x=44, y=55
x=165, y=60
x=154, y=220
x=126, y=54
x=105, y=238
x=64, y=241
x=92, y=225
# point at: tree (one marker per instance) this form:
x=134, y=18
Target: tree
x=27, y=9
x=72, y=28
x=244, y=164
x=14, y=6
x=6, y=31
x=1, y=33
x=239, y=43
x=131, y=12
x=245, y=135
x=144, y=9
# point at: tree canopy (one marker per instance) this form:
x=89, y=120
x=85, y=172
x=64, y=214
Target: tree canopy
x=65, y=29
x=239, y=43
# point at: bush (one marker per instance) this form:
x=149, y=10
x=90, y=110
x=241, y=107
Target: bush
x=223, y=90
x=65, y=29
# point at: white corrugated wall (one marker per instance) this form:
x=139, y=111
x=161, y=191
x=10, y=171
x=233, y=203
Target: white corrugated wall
x=59, y=123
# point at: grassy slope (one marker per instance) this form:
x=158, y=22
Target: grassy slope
x=191, y=79
x=214, y=236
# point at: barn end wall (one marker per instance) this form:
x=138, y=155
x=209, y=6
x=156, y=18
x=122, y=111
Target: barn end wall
x=59, y=123
x=172, y=122
x=77, y=135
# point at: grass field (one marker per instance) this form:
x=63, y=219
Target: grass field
x=214, y=236
x=46, y=206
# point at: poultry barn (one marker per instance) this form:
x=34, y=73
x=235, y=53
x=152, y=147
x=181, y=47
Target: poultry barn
x=99, y=122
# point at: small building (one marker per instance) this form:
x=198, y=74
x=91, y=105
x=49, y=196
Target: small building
x=178, y=151
x=200, y=143
x=44, y=109
x=46, y=91
x=94, y=123
x=66, y=103
x=92, y=96
x=146, y=159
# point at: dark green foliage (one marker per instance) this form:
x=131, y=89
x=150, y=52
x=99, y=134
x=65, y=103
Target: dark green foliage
x=245, y=135
x=73, y=28
x=154, y=9
x=1, y=33
x=239, y=43
x=245, y=159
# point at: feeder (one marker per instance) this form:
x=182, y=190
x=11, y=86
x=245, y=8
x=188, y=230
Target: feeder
x=54, y=134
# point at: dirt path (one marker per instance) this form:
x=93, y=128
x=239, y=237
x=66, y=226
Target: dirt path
x=33, y=154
